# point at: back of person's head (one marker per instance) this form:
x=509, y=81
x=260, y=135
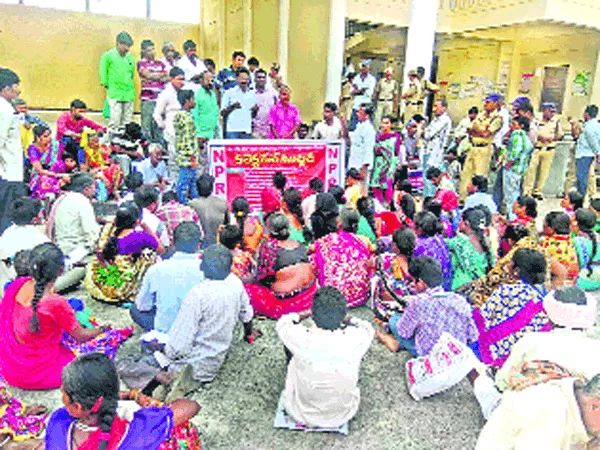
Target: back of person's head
x=324, y=220
x=279, y=180
x=405, y=186
x=145, y=196
x=427, y=224
x=432, y=172
x=405, y=241
x=23, y=210
x=78, y=104
x=91, y=381
x=586, y=222
x=433, y=205
x=365, y=207
x=46, y=263
x=187, y=237
x=279, y=226
x=126, y=218
x=231, y=236
x=205, y=185
x=133, y=181
x=21, y=263
x=561, y=224
x=8, y=78
x=216, y=262
x=329, y=308
x=592, y=111
x=240, y=209
x=407, y=203
x=515, y=232
x=292, y=199
x=480, y=182
x=170, y=196
x=478, y=222
x=576, y=199
x=571, y=307
x=338, y=194
x=80, y=182
x=316, y=185
x=530, y=205
x=595, y=204
x=184, y=95
x=549, y=218
x=486, y=212
x=530, y=265
x=349, y=219
x=426, y=269
x=524, y=123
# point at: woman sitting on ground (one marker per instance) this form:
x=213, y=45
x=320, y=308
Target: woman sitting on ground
x=513, y=309
x=588, y=251
x=342, y=260
x=324, y=219
x=243, y=261
x=558, y=242
x=431, y=243
x=285, y=279
x=525, y=209
x=123, y=256
x=100, y=164
x=367, y=225
x=252, y=229
x=89, y=419
x=291, y=207
x=43, y=154
x=471, y=255
x=33, y=324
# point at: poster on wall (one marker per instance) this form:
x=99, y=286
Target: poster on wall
x=246, y=167
x=581, y=84
x=554, y=86
x=526, y=83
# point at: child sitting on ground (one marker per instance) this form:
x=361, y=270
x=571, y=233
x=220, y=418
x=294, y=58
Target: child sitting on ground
x=558, y=243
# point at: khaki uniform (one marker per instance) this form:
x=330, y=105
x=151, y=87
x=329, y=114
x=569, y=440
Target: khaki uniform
x=480, y=155
x=414, y=101
x=346, y=101
x=542, y=156
x=386, y=90
x=428, y=87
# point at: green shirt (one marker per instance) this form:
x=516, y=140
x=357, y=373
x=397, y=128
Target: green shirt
x=206, y=113
x=116, y=73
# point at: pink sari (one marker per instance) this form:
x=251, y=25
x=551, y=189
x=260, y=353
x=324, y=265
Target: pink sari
x=341, y=260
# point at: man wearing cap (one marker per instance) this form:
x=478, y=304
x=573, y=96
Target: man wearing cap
x=153, y=76
x=427, y=86
x=550, y=131
x=482, y=132
x=362, y=90
x=386, y=96
x=412, y=97
x=116, y=75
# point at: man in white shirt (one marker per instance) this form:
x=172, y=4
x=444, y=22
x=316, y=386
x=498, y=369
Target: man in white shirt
x=434, y=139
x=146, y=198
x=321, y=388
x=153, y=168
x=192, y=66
x=238, y=107
x=362, y=90
x=330, y=128
x=362, y=143
x=11, y=152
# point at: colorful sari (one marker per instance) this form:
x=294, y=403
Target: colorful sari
x=391, y=282
x=586, y=280
x=387, y=150
x=561, y=249
x=510, y=312
x=243, y=263
x=99, y=160
x=341, y=260
x=13, y=420
x=43, y=185
x=437, y=248
x=467, y=263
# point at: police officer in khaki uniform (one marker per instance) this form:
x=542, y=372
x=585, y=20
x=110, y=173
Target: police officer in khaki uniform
x=412, y=97
x=386, y=96
x=482, y=133
x=427, y=87
x=549, y=133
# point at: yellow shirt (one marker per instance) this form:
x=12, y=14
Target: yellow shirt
x=413, y=95
x=427, y=87
x=352, y=195
x=387, y=89
x=551, y=129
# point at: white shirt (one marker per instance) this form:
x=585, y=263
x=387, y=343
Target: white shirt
x=321, y=387
x=435, y=139
x=151, y=173
x=362, y=145
x=328, y=132
x=75, y=223
x=11, y=152
x=505, y=114
x=369, y=84
x=460, y=132
x=156, y=225
x=166, y=107
x=240, y=119
x=191, y=71
x=481, y=198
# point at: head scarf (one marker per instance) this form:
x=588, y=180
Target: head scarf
x=571, y=315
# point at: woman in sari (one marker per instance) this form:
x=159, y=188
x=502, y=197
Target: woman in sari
x=123, y=256
x=291, y=207
x=324, y=219
x=367, y=225
x=431, y=243
x=34, y=322
x=342, y=260
x=19, y=423
x=90, y=419
x=285, y=279
x=513, y=309
x=588, y=253
x=243, y=261
x=558, y=243
x=387, y=151
x=470, y=250
x=525, y=209
x=42, y=155
x=99, y=162
x=252, y=229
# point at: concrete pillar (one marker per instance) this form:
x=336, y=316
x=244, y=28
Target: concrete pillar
x=335, y=51
x=284, y=34
x=595, y=94
x=248, y=28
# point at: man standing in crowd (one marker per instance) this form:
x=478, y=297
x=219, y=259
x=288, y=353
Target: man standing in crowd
x=189, y=159
x=192, y=66
x=227, y=77
x=238, y=107
x=427, y=87
x=412, y=97
x=588, y=147
x=170, y=56
x=386, y=96
x=549, y=133
x=526, y=109
x=153, y=76
x=116, y=75
x=284, y=118
x=253, y=66
x=434, y=140
x=206, y=112
x=362, y=90
x=210, y=208
x=71, y=124
x=11, y=152
x=362, y=144
x=516, y=160
x=266, y=97
x=330, y=128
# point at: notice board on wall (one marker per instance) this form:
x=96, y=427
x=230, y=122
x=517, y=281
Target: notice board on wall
x=555, y=86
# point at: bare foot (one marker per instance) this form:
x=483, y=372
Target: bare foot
x=388, y=340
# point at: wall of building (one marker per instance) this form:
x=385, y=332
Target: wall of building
x=56, y=53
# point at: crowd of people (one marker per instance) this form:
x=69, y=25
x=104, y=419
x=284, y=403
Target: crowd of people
x=415, y=235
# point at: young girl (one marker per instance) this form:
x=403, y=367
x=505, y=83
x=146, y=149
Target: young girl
x=559, y=244
x=250, y=226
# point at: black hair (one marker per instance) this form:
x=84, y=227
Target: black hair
x=144, y=196
x=405, y=240
x=23, y=210
x=187, y=237
x=478, y=222
x=549, y=218
x=239, y=53
x=353, y=173
x=428, y=224
x=523, y=122
x=176, y=72
x=486, y=212
x=8, y=78
x=184, y=95
x=592, y=110
x=571, y=294
x=364, y=207
x=216, y=262
x=231, y=236
x=407, y=203
x=316, y=184
x=146, y=43
x=480, y=182
x=473, y=110
x=263, y=71
x=331, y=106
x=405, y=186
x=253, y=61
x=329, y=308
x=88, y=379
x=21, y=263
x=40, y=129
x=279, y=226
x=560, y=224
x=170, y=196
x=80, y=181
x=426, y=269
x=515, y=232
x=188, y=44
x=242, y=70
x=433, y=172
x=208, y=62
x=338, y=194
x=576, y=199
x=292, y=198
x=531, y=265
x=530, y=205
x=240, y=208
x=595, y=203
x=304, y=126
x=78, y=104
x=586, y=221
x=205, y=184
x=350, y=219
x=46, y=262
x=279, y=181
x=68, y=155
x=526, y=107
x=134, y=180
x=324, y=220
x=125, y=219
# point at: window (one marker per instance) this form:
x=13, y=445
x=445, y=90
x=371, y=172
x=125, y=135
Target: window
x=126, y=8
x=182, y=11
x=71, y=5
